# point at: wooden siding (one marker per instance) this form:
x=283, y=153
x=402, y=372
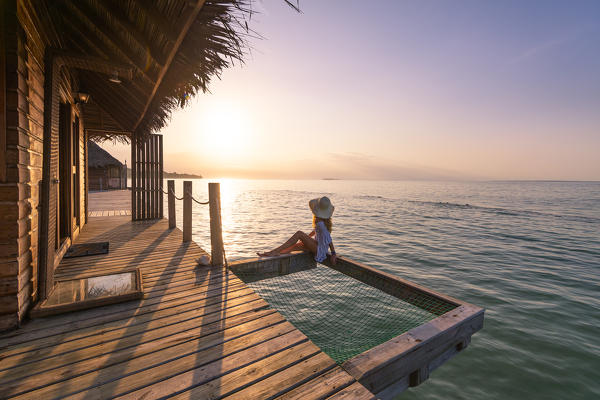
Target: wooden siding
x=103, y=178
x=2, y=98
x=199, y=332
x=28, y=138
x=82, y=172
x=9, y=191
x=24, y=149
x=49, y=193
x=58, y=88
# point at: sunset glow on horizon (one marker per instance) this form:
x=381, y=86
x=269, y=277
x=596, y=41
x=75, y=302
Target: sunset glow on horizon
x=402, y=90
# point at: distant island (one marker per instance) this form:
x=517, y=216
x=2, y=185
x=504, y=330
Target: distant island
x=176, y=175
x=330, y=179
x=172, y=175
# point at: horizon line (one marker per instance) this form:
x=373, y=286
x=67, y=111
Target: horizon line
x=400, y=180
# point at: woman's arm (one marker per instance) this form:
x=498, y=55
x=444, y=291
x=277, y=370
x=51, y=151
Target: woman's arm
x=333, y=255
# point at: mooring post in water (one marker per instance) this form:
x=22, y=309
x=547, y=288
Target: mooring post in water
x=187, y=211
x=171, y=202
x=216, y=235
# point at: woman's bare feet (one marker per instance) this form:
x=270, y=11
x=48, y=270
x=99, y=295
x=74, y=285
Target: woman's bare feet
x=268, y=254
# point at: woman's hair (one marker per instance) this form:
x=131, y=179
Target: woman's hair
x=327, y=222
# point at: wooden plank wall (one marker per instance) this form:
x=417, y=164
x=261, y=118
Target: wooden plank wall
x=82, y=172
x=49, y=193
x=134, y=183
x=2, y=100
x=58, y=88
x=100, y=178
x=31, y=127
x=19, y=193
x=8, y=190
x=86, y=178
x=147, y=177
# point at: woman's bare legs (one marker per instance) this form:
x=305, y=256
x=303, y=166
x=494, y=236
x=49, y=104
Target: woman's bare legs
x=309, y=243
x=299, y=246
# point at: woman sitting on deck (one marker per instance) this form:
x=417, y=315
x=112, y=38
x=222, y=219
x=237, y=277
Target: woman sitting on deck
x=322, y=210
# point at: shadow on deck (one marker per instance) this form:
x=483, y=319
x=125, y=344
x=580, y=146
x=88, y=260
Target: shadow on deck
x=199, y=332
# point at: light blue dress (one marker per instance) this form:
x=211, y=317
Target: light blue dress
x=323, y=238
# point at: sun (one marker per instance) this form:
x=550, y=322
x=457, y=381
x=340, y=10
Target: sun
x=224, y=132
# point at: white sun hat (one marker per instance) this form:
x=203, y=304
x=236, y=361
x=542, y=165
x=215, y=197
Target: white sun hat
x=321, y=207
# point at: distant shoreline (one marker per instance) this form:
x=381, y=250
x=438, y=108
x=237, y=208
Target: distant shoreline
x=175, y=175
x=172, y=175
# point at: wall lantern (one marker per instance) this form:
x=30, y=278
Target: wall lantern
x=81, y=97
x=115, y=77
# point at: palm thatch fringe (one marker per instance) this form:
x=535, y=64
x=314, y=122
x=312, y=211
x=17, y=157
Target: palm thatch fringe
x=143, y=34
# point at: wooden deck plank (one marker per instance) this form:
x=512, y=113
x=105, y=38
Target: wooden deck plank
x=59, y=344
x=320, y=387
x=50, y=326
x=157, y=353
x=159, y=299
x=125, y=253
x=117, y=260
x=109, y=200
x=210, y=362
x=352, y=392
x=285, y=379
x=197, y=331
x=138, y=344
x=220, y=378
x=62, y=323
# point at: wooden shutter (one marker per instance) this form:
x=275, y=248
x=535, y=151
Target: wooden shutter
x=146, y=177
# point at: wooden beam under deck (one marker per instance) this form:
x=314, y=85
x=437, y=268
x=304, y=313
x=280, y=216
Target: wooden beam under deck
x=198, y=332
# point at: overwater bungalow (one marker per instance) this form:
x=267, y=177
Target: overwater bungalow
x=74, y=71
x=105, y=172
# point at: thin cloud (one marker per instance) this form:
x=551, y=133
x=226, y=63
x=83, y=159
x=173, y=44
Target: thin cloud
x=353, y=165
x=545, y=47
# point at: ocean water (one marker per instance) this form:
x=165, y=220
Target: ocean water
x=528, y=252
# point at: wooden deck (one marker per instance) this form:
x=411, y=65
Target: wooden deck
x=109, y=203
x=198, y=333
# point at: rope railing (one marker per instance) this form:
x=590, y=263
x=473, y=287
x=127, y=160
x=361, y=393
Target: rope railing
x=187, y=215
x=199, y=202
x=174, y=195
x=181, y=198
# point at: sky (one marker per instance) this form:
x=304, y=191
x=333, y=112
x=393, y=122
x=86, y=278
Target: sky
x=402, y=90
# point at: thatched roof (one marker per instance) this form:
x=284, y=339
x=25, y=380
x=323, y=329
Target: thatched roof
x=173, y=48
x=100, y=158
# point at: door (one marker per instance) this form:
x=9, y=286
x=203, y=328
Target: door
x=76, y=198
x=63, y=205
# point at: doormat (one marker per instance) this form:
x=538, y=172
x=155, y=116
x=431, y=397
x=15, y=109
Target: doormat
x=87, y=249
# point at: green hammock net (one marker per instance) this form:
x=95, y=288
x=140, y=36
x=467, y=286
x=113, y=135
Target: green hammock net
x=342, y=315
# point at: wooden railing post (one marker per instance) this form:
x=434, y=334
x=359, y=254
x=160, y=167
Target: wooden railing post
x=216, y=235
x=187, y=211
x=171, y=203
